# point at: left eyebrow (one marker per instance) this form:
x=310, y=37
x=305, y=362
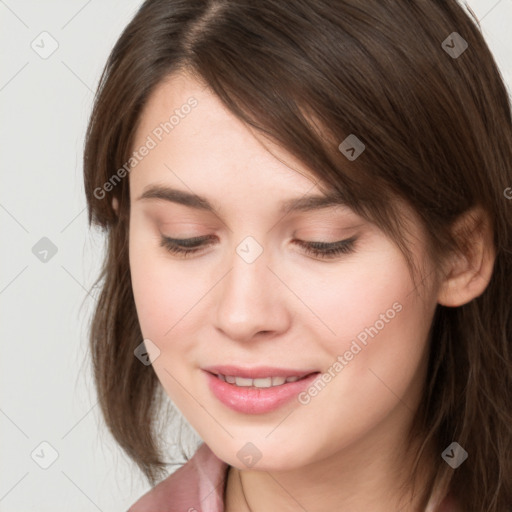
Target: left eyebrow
x=297, y=204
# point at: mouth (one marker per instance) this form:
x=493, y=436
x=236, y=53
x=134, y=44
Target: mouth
x=262, y=382
x=265, y=392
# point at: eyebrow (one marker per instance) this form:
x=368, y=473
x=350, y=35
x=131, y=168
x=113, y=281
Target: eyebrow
x=298, y=204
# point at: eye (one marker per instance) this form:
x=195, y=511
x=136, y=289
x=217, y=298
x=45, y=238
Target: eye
x=327, y=250
x=183, y=246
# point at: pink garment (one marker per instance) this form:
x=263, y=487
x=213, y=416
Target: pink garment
x=198, y=486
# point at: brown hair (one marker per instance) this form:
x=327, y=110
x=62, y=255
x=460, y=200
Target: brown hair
x=438, y=134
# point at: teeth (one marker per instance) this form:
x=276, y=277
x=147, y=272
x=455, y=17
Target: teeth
x=277, y=381
x=241, y=381
x=266, y=382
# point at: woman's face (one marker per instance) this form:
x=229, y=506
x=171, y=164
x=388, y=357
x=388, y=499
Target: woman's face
x=252, y=297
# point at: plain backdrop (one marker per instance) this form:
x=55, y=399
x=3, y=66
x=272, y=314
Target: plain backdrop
x=48, y=407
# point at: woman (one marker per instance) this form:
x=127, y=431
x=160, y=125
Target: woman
x=309, y=253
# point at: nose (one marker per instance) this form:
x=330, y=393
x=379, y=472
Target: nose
x=252, y=300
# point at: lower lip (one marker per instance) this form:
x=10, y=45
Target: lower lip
x=252, y=400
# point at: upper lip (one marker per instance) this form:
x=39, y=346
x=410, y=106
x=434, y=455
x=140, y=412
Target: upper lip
x=257, y=372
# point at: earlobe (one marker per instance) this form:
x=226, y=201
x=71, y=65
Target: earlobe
x=467, y=275
x=115, y=205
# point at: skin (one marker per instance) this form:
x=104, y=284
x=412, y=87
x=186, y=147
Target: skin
x=343, y=450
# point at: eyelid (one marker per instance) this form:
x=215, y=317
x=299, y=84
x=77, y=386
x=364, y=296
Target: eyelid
x=190, y=242
x=324, y=251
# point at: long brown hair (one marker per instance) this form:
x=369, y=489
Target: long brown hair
x=437, y=131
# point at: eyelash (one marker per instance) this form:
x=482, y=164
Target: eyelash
x=182, y=247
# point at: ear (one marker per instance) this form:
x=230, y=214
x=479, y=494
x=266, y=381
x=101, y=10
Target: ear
x=115, y=205
x=467, y=275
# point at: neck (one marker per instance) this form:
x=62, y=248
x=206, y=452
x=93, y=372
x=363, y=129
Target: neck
x=369, y=475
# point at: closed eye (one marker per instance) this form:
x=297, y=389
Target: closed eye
x=327, y=250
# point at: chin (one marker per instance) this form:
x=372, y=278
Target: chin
x=266, y=455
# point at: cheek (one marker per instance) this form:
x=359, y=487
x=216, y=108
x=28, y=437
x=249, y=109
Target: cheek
x=372, y=316
x=162, y=293
x=381, y=326
x=376, y=356
x=351, y=296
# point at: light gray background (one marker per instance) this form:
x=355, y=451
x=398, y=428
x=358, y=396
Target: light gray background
x=46, y=385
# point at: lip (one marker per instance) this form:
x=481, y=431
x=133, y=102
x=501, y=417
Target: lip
x=257, y=372
x=252, y=400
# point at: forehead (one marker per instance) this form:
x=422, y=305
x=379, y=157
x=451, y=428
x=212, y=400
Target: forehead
x=205, y=148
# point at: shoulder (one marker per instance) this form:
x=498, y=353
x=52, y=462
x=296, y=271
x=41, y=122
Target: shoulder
x=196, y=486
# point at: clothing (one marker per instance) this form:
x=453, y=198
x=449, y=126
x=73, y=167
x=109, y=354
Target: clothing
x=198, y=486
